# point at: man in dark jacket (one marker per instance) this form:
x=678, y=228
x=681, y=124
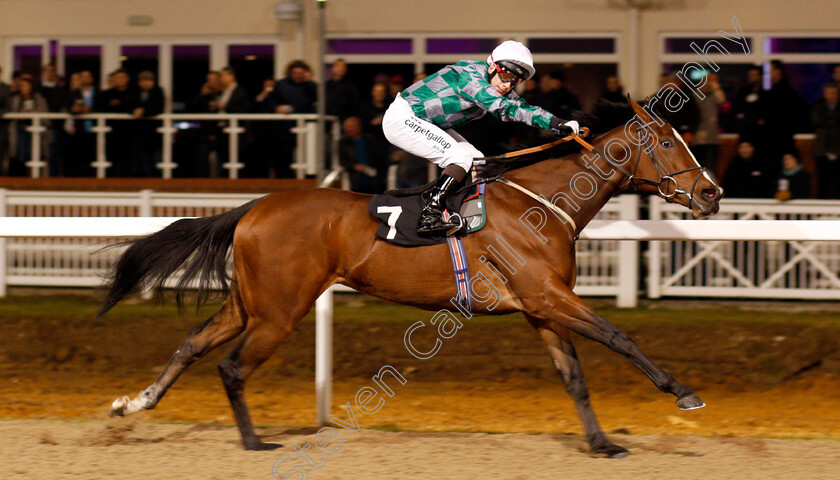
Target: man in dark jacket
x=294, y=94
x=146, y=144
x=232, y=99
x=826, y=119
x=342, y=95
x=5, y=99
x=786, y=112
x=118, y=99
x=749, y=107
x=558, y=100
x=363, y=157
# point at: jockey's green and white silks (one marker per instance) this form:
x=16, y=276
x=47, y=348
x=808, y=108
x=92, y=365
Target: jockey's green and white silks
x=462, y=92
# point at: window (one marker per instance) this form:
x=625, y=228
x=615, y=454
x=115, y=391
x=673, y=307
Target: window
x=461, y=45
x=28, y=59
x=83, y=57
x=802, y=45
x=139, y=58
x=253, y=64
x=571, y=45
x=190, y=64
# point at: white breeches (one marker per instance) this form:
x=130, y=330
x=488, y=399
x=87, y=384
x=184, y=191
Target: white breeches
x=422, y=138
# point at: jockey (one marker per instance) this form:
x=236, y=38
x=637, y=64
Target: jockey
x=421, y=118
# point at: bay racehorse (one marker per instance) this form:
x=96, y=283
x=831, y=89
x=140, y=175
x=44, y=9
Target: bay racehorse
x=289, y=247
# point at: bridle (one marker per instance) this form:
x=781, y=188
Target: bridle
x=665, y=177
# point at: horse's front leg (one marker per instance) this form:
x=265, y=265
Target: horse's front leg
x=566, y=362
x=558, y=307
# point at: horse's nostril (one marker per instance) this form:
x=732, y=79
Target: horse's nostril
x=710, y=192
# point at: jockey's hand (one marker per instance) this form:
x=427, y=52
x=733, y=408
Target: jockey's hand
x=565, y=129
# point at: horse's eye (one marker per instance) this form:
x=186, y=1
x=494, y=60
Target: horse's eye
x=667, y=144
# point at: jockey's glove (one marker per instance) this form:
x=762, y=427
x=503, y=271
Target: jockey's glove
x=564, y=129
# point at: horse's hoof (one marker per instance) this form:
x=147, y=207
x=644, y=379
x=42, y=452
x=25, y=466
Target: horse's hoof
x=119, y=406
x=260, y=446
x=690, y=402
x=609, y=450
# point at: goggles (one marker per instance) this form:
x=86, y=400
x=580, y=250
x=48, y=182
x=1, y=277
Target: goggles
x=506, y=76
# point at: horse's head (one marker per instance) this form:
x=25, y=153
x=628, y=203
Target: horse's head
x=666, y=167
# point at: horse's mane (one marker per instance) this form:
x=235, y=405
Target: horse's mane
x=605, y=116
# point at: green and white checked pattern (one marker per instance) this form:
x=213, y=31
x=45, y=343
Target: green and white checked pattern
x=462, y=92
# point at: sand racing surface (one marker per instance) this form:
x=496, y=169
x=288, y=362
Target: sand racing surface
x=487, y=406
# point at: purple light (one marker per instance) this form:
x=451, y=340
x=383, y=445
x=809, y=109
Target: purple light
x=243, y=50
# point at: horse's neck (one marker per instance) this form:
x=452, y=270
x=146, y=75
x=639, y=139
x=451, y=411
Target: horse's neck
x=567, y=182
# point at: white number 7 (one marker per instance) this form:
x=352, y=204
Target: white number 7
x=392, y=219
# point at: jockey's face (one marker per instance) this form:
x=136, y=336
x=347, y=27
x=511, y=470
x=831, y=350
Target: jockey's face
x=502, y=87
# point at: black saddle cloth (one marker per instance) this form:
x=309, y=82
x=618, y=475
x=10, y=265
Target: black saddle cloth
x=398, y=212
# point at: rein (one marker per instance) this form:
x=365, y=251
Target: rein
x=541, y=148
x=664, y=178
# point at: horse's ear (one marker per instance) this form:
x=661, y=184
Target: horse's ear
x=638, y=109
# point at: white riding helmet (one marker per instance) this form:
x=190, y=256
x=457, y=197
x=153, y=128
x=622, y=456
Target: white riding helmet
x=515, y=56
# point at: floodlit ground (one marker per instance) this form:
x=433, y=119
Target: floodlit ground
x=487, y=406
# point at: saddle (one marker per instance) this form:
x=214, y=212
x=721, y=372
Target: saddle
x=399, y=210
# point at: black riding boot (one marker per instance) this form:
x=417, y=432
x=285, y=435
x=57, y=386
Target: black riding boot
x=431, y=221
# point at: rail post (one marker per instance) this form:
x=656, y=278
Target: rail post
x=167, y=130
x=101, y=162
x=323, y=355
x=3, y=271
x=628, y=256
x=35, y=162
x=233, y=164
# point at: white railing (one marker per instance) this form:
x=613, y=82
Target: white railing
x=306, y=152
x=786, y=268
x=715, y=266
x=61, y=260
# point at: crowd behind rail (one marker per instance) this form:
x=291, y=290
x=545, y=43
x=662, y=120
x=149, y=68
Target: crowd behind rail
x=767, y=164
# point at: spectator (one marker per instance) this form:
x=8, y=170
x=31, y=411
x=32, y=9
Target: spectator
x=412, y=171
x=749, y=107
x=396, y=84
x=785, y=113
x=82, y=101
x=25, y=100
x=558, y=99
x=746, y=176
x=54, y=91
x=232, y=99
x=419, y=76
x=794, y=181
x=613, y=91
x=118, y=99
x=5, y=99
x=826, y=119
x=363, y=158
x=687, y=118
x=372, y=113
x=265, y=136
x=706, y=142
x=342, y=96
x=835, y=75
x=531, y=92
x=293, y=94
x=149, y=101
x=205, y=102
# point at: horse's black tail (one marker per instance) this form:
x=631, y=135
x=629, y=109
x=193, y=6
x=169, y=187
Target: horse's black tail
x=198, y=245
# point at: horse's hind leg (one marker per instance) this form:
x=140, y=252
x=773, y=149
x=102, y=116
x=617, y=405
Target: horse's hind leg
x=222, y=327
x=566, y=362
x=254, y=348
x=562, y=308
